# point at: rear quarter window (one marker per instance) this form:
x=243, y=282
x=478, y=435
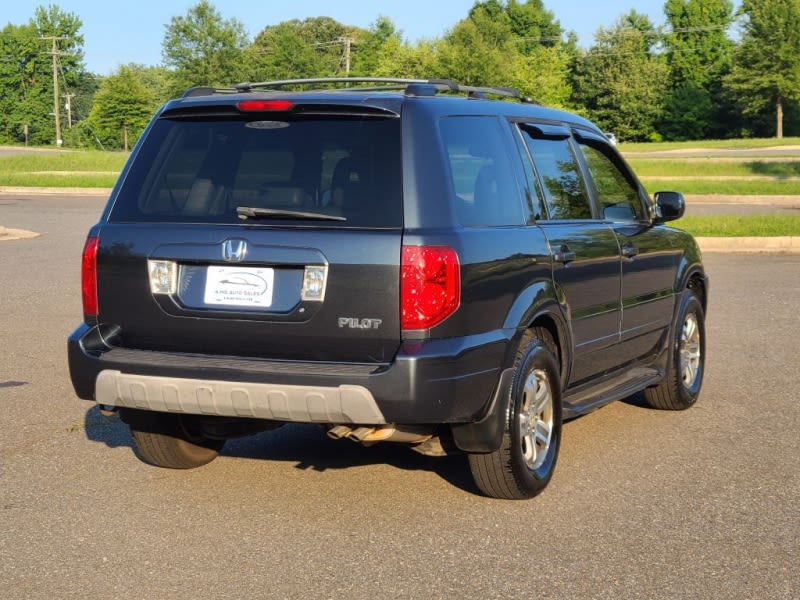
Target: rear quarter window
x=485, y=190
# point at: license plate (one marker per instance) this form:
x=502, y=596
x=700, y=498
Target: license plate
x=239, y=286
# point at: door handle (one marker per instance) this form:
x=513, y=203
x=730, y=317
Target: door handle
x=629, y=250
x=564, y=254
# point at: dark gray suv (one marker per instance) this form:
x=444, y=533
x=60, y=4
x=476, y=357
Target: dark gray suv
x=394, y=260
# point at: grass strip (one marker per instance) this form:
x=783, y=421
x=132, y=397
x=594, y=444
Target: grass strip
x=63, y=161
x=740, y=226
x=76, y=180
x=725, y=187
x=711, y=144
x=646, y=167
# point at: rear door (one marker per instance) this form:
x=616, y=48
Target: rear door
x=259, y=235
x=585, y=253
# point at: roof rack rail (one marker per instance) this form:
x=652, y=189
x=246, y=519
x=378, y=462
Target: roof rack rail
x=410, y=85
x=202, y=90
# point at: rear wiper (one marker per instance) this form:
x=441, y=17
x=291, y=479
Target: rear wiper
x=249, y=212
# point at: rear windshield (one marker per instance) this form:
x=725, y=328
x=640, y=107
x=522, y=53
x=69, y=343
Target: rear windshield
x=205, y=170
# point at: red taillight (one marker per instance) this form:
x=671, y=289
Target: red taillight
x=89, y=277
x=430, y=286
x=265, y=105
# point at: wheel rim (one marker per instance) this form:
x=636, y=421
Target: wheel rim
x=690, y=351
x=536, y=419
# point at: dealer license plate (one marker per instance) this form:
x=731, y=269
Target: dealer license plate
x=239, y=286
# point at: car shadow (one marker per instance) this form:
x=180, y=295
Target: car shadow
x=307, y=447
x=637, y=400
x=108, y=430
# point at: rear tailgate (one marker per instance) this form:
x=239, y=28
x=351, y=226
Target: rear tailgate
x=356, y=320
x=262, y=235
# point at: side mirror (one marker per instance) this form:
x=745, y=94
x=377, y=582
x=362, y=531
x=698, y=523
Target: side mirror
x=669, y=206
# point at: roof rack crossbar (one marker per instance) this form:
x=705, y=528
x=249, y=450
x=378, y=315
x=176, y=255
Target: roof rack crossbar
x=247, y=86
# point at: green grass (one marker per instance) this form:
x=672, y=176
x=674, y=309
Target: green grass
x=725, y=187
x=714, y=144
x=740, y=226
x=77, y=180
x=705, y=167
x=73, y=169
x=64, y=161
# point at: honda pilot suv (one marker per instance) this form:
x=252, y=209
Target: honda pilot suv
x=450, y=267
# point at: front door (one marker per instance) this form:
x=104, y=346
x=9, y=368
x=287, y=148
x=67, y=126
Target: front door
x=648, y=264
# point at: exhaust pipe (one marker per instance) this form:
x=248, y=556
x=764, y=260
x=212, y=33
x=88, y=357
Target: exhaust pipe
x=107, y=410
x=360, y=434
x=384, y=433
x=338, y=432
x=390, y=433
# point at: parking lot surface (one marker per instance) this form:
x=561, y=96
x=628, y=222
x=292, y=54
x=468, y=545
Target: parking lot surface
x=644, y=503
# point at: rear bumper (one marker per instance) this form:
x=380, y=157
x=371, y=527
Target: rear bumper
x=431, y=382
x=312, y=404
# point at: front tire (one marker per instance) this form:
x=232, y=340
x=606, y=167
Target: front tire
x=170, y=440
x=684, y=377
x=523, y=465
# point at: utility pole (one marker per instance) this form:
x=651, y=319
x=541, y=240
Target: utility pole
x=348, y=42
x=54, y=53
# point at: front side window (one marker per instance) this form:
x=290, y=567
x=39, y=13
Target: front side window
x=564, y=190
x=617, y=195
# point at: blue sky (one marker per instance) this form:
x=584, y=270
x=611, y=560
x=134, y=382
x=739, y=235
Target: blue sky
x=117, y=33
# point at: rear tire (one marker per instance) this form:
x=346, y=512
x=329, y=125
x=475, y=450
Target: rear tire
x=684, y=378
x=169, y=440
x=523, y=465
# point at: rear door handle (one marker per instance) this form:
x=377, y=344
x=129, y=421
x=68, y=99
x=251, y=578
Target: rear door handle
x=564, y=255
x=629, y=250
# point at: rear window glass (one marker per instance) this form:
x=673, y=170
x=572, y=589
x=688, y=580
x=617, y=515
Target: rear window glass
x=202, y=170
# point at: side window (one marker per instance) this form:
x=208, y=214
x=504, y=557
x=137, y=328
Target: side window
x=617, y=195
x=482, y=176
x=564, y=190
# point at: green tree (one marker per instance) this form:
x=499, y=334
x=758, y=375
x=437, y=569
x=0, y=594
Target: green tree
x=508, y=44
x=766, y=63
x=534, y=25
x=121, y=110
x=281, y=52
x=397, y=59
x=479, y=49
x=156, y=80
x=202, y=48
x=313, y=47
x=698, y=52
x=543, y=75
x=620, y=81
x=26, y=73
x=369, y=43
x=22, y=97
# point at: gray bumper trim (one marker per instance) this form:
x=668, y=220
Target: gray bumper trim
x=303, y=404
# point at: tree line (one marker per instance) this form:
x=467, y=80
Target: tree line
x=686, y=80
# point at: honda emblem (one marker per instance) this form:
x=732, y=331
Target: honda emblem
x=234, y=250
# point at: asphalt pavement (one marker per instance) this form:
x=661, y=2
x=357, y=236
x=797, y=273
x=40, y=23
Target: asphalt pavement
x=644, y=503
